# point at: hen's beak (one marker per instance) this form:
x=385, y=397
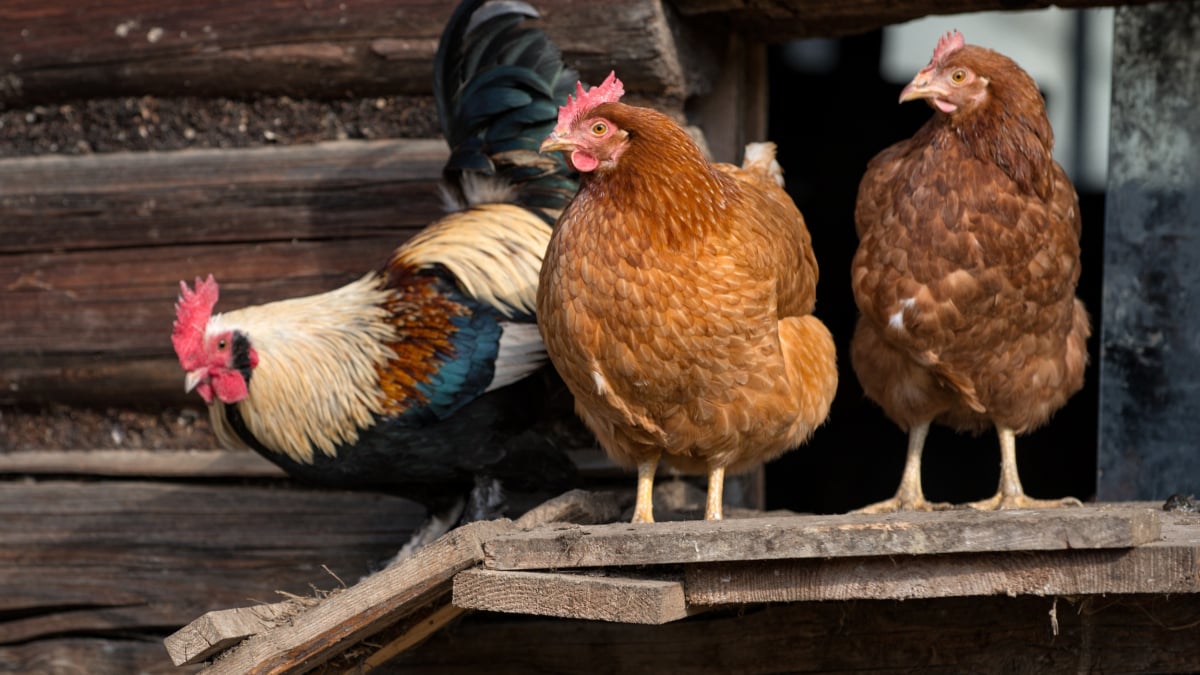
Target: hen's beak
x=554, y=142
x=922, y=86
x=194, y=377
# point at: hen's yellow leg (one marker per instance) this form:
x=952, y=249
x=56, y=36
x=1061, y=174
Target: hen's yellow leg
x=643, y=511
x=716, y=494
x=910, y=496
x=1010, y=494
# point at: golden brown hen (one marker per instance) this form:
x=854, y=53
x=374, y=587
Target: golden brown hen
x=966, y=268
x=676, y=296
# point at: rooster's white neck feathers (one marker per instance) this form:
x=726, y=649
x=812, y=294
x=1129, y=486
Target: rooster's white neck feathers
x=316, y=382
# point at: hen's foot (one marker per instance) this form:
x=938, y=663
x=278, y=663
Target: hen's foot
x=903, y=504
x=1000, y=502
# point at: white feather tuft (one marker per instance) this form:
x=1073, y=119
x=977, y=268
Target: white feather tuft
x=521, y=353
x=760, y=157
x=477, y=189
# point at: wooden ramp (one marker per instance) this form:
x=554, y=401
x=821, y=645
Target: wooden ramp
x=663, y=572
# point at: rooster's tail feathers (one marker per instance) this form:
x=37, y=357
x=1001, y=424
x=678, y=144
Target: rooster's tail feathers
x=498, y=85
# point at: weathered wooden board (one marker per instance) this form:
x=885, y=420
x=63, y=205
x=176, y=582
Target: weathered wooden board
x=1169, y=566
x=119, y=556
x=852, y=535
x=51, y=49
x=406, y=588
x=190, y=464
x=573, y=596
x=221, y=629
x=90, y=655
x=328, y=190
x=776, y=20
x=1149, y=387
x=1131, y=634
x=363, y=609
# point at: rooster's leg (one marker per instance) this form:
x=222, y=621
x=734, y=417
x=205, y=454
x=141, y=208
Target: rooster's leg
x=1010, y=494
x=910, y=496
x=643, y=512
x=716, y=493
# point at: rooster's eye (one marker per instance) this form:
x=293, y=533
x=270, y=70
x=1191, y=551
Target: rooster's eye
x=221, y=344
x=599, y=128
x=959, y=76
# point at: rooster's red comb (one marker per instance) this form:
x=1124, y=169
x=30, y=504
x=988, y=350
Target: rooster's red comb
x=610, y=91
x=949, y=43
x=192, y=312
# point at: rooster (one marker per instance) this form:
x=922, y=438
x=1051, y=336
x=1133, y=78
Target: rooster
x=676, y=298
x=420, y=378
x=966, y=268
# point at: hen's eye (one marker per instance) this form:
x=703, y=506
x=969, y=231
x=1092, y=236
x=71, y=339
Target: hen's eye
x=959, y=76
x=599, y=128
x=221, y=344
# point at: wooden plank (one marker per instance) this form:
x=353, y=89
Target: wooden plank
x=334, y=189
x=51, y=51
x=140, y=463
x=734, y=113
x=363, y=609
x=1149, y=408
x=412, y=633
x=1130, y=634
x=852, y=535
x=123, y=557
x=577, y=506
x=572, y=596
x=776, y=21
x=92, y=655
x=216, y=631
x=1165, y=567
x=220, y=629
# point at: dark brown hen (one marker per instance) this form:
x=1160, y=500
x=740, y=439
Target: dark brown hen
x=966, y=268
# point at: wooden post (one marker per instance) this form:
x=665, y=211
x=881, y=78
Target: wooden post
x=1149, y=372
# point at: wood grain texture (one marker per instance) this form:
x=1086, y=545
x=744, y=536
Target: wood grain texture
x=851, y=535
x=572, y=596
x=51, y=51
x=127, y=557
x=777, y=21
x=218, y=630
x=999, y=635
x=363, y=609
x=140, y=463
x=331, y=189
x=91, y=655
x=1169, y=566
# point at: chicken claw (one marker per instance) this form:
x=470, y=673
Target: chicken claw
x=1010, y=494
x=910, y=496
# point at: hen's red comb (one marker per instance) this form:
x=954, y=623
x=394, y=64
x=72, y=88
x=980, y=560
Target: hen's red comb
x=610, y=91
x=949, y=43
x=192, y=312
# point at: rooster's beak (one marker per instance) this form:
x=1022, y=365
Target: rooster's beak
x=553, y=142
x=194, y=377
